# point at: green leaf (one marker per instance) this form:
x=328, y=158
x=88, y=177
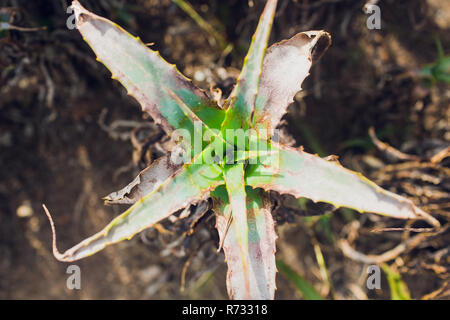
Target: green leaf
x=210, y=132
x=242, y=98
x=399, y=289
x=145, y=75
x=234, y=182
x=161, y=169
x=261, y=244
x=285, y=66
x=303, y=287
x=305, y=175
x=189, y=185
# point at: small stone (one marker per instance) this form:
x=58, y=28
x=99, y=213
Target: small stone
x=24, y=210
x=199, y=76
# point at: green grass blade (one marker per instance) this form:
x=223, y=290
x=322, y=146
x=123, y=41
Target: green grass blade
x=398, y=288
x=304, y=288
x=202, y=23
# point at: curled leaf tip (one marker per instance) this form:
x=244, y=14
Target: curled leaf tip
x=78, y=9
x=56, y=253
x=319, y=45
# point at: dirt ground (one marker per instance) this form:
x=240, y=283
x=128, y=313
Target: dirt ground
x=70, y=135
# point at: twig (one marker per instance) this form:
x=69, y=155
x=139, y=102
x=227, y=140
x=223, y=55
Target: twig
x=384, y=147
x=7, y=26
x=184, y=270
x=50, y=95
x=408, y=244
x=113, y=129
x=441, y=292
x=402, y=229
x=441, y=155
x=384, y=257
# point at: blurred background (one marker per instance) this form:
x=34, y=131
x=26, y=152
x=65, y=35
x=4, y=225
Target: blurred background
x=70, y=135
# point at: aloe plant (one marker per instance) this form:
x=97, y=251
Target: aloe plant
x=242, y=171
